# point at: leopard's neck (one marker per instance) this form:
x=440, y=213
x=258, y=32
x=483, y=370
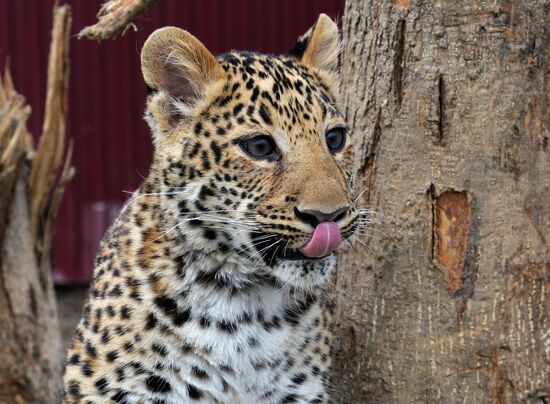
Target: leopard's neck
x=209, y=285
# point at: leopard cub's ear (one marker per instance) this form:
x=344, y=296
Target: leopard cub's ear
x=319, y=46
x=180, y=70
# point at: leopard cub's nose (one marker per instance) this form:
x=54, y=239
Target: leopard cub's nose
x=313, y=217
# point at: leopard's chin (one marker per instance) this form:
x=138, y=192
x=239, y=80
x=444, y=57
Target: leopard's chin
x=296, y=255
x=307, y=273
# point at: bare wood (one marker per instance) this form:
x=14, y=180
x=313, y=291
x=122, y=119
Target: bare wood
x=113, y=17
x=49, y=155
x=14, y=141
x=30, y=344
x=452, y=126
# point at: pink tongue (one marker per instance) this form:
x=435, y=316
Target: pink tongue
x=325, y=239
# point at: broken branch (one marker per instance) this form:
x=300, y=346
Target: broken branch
x=113, y=17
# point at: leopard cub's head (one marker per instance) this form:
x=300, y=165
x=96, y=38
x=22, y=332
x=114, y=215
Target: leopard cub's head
x=252, y=157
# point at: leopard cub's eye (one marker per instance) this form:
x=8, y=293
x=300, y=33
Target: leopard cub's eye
x=336, y=139
x=260, y=147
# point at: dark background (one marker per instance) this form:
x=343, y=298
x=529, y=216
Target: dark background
x=112, y=147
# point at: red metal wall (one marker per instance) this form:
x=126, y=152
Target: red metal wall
x=112, y=144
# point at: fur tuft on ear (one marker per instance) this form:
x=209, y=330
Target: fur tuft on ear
x=178, y=69
x=319, y=46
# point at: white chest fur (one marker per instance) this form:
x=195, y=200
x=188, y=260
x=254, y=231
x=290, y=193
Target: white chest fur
x=257, y=343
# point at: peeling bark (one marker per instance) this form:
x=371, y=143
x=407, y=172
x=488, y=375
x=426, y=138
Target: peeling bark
x=451, y=132
x=452, y=227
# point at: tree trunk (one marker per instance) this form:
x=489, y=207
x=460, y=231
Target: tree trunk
x=448, y=106
x=31, y=187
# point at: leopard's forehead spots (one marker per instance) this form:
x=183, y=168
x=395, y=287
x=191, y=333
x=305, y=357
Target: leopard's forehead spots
x=273, y=91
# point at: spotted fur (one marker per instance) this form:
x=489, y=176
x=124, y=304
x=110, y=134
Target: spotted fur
x=199, y=293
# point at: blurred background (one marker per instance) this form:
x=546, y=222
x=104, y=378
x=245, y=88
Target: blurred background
x=112, y=147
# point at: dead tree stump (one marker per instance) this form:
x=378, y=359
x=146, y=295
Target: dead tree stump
x=31, y=187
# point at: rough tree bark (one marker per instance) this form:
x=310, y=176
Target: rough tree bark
x=31, y=186
x=448, y=105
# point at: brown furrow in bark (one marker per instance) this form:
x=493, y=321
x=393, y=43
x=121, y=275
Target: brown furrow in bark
x=398, y=66
x=441, y=109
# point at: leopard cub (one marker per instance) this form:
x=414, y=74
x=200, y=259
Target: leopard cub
x=209, y=286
